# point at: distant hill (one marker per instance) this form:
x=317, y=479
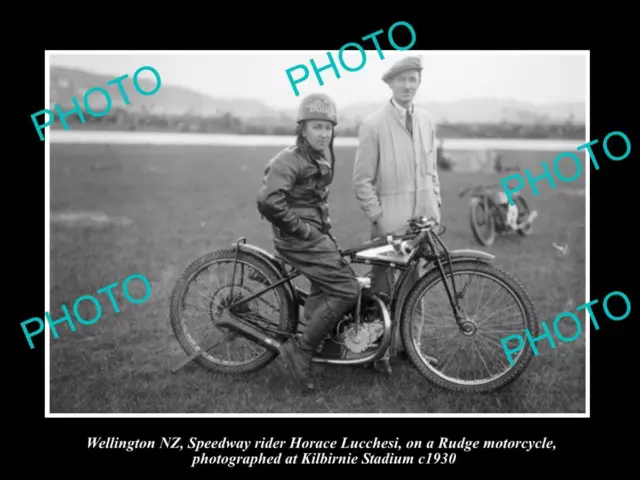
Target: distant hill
x=174, y=100
x=169, y=100
x=488, y=110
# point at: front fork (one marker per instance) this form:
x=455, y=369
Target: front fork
x=454, y=297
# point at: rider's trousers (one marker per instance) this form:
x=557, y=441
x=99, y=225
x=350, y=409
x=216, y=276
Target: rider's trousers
x=334, y=287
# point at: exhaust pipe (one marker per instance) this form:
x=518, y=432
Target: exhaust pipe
x=246, y=330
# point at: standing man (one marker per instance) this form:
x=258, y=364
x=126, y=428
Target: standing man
x=395, y=174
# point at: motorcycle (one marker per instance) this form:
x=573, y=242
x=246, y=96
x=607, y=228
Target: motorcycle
x=257, y=282
x=489, y=206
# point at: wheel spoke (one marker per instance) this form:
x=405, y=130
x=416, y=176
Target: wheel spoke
x=479, y=354
x=208, y=294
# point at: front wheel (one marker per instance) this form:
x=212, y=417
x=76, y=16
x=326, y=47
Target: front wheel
x=482, y=221
x=495, y=305
x=203, y=293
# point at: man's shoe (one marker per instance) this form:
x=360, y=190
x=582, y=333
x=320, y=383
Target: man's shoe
x=298, y=362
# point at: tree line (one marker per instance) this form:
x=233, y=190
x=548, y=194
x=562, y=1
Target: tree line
x=121, y=119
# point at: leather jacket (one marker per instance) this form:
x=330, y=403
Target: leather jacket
x=294, y=192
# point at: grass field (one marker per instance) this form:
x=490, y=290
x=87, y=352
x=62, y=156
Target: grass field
x=151, y=210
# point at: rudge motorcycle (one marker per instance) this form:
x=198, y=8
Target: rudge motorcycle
x=257, y=303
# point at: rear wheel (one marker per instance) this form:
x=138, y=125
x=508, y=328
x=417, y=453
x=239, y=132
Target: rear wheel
x=201, y=296
x=482, y=222
x=474, y=361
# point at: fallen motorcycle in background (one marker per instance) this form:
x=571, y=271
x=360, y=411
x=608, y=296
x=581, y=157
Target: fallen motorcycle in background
x=490, y=213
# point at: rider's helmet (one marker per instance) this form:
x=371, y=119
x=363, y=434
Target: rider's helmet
x=317, y=106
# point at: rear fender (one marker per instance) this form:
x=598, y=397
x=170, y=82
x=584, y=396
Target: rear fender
x=277, y=268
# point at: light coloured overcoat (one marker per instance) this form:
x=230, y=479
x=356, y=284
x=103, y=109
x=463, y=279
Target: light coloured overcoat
x=395, y=178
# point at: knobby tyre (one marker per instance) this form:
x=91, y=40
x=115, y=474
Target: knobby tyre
x=510, y=285
x=262, y=275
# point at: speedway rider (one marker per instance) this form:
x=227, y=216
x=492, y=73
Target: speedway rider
x=293, y=198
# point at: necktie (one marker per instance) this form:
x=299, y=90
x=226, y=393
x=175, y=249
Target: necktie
x=409, y=123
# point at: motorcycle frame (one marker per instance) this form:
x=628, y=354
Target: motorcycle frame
x=424, y=249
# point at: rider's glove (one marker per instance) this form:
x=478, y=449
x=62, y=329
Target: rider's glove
x=308, y=231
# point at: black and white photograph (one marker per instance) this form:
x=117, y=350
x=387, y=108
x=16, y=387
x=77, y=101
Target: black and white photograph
x=287, y=239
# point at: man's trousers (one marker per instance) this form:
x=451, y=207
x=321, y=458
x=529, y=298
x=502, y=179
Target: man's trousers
x=383, y=280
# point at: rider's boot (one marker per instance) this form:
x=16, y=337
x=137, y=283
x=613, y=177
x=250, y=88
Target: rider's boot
x=298, y=359
x=298, y=352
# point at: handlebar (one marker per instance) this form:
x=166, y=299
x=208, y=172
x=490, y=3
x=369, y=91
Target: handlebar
x=422, y=225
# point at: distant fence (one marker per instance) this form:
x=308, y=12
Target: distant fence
x=170, y=138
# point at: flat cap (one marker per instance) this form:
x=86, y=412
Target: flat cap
x=403, y=65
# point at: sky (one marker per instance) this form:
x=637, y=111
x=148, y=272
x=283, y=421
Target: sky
x=538, y=78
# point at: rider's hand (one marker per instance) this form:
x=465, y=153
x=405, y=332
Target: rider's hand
x=310, y=232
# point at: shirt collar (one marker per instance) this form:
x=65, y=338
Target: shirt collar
x=401, y=108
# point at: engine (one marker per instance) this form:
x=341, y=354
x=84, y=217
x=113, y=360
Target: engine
x=358, y=338
x=358, y=331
